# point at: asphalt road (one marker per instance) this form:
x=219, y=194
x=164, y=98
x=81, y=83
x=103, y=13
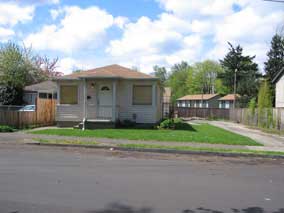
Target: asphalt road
x=38, y=179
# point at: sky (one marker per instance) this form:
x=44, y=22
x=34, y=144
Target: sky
x=86, y=34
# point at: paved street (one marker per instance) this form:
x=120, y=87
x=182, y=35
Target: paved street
x=47, y=179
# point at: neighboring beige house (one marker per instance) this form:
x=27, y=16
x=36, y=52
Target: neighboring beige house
x=279, y=87
x=227, y=102
x=44, y=90
x=108, y=94
x=199, y=101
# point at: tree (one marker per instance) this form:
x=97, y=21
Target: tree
x=178, y=80
x=265, y=105
x=203, y=78
x=11, y=95
x=47, y=67
x=18, y=68
x=161, y=73
x=275, y=61
x=247, y=74
x=14, y=66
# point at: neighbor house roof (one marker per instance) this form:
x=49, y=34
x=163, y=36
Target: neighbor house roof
x=229, y=97
x=197, y=97
x=278, y=76
x=43, y=86
x=111, y=71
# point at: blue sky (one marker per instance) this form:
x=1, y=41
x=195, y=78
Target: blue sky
x=140, y=33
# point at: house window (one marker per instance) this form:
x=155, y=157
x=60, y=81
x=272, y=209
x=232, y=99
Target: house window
x=68, y=94
x=42, y=95
x=105, y=88
x=142, y=95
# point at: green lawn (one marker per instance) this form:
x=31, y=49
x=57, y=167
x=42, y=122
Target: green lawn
x=204, y=133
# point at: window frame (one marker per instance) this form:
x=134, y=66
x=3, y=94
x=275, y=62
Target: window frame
x=142, y=85
x=60, y=96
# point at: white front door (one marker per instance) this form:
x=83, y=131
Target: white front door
x=105, y=101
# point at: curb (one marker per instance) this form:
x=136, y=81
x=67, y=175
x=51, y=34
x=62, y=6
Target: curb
x=163, y=151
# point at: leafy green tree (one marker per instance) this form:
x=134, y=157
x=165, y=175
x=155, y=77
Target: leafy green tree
x=265, y=105
x=18, y=68
x=14, y=66
x=275, y=61
x=247, y=74
x=203, y=78
x=161, y=73
x=178, y=80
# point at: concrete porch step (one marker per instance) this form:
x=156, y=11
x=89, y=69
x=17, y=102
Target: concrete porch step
x=96, y=124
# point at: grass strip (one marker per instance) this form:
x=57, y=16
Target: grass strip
x=60, y=141
x=199, y=149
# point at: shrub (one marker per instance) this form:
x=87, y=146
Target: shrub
x=175, y=123
x=5, y=128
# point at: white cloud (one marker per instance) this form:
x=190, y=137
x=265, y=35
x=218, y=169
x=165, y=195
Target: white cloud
x=68, y=64
x=5, y=34
x=121, y=21
x=54, y=1
x=79, y=28
x=11, y=13
x=54, y=13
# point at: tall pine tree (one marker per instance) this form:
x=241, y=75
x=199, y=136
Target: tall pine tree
x=247, y=74
x=275, y=61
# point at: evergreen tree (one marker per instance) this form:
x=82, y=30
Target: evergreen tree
x=246, y=70
x=264, y=105
x=275, y=61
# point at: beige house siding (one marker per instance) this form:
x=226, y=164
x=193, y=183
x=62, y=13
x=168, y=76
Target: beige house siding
x=67, y=112
x=280, y=92
x=125, y=108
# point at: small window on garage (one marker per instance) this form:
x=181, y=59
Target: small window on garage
x=68, y=94
x=42, y=95
x=142, y=95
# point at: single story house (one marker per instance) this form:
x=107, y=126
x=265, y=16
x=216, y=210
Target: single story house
x=108, y=94
x=199, y=101
x=227, y=101
x=45, y=90
x=279, y=88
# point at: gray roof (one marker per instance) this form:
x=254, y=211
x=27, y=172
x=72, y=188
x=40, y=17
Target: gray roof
x=48, y=86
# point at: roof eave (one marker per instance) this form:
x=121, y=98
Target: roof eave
x=279, y=74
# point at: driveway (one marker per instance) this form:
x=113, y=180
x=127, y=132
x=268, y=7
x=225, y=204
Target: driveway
x=268, y=140
x=42, y=179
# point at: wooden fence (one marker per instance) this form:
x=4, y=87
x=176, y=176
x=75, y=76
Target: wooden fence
x=269, y=118
x=44, y=115
x=208, y=113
